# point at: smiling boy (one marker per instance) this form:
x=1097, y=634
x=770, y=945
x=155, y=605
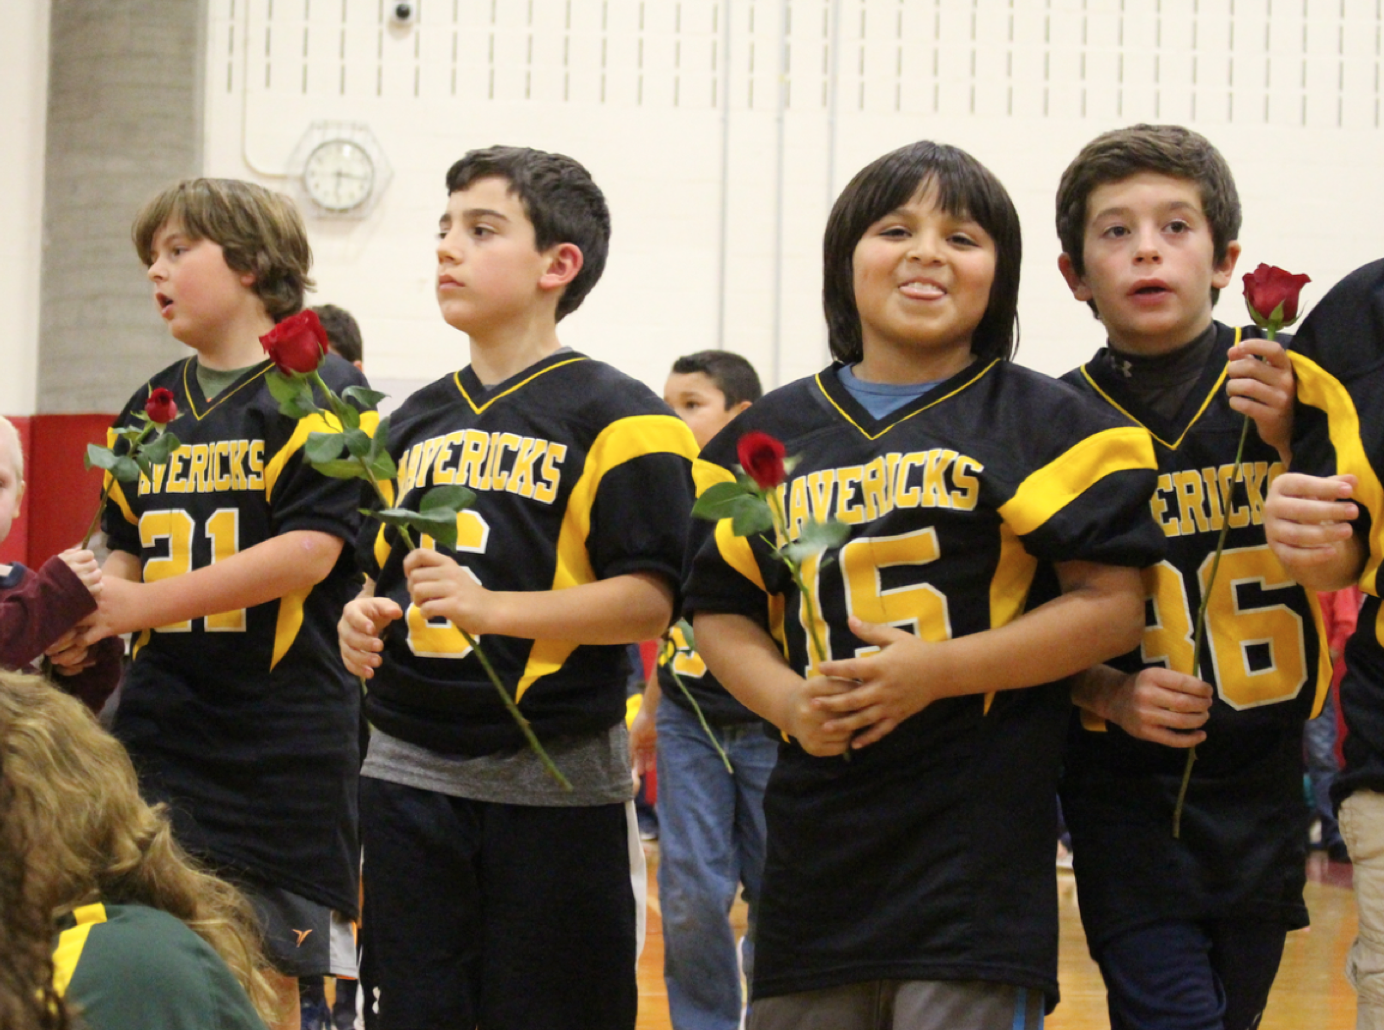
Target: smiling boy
x=495, y=898
x=1188, y=932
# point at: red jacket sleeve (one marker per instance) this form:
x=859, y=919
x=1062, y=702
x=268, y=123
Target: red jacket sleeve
x=39, y=609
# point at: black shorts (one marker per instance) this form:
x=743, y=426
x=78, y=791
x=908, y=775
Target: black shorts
x=509, y=917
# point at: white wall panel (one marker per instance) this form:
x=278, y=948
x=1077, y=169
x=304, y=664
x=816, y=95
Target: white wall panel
x=718, y=224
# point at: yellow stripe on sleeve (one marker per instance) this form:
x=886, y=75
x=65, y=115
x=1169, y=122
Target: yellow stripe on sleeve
x=735, y=550
x=314, y=423
x=1320, y=389
x=623, y=440
x=1051, y=488
x=72, y=942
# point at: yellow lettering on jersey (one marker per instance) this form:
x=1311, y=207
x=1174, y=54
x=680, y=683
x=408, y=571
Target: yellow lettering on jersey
x=220, y=482
x=546, y=491
x=430, y=449
x=848, y=509
x=1190, y=502
x=176, y=483
x=965, y=475
x=442, y=473
x=256, y=479
x=892, y=460
x=472, y=469
x=197, y=473
x=498, y=475
x=797, y=506
x=1257, y=477
x=1237, y=515
x=1159, y=504
x=492, y=466
x=935, y=494
x=521, y=477
x=874, y=490
x=906, y=496
x=1213, y=496
x=819, y=486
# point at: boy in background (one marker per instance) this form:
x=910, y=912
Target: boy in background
x=493, y=897
x=711, y=824
x=1188, y=932
x=229, y=564
x=343, y=333
x=38, y=608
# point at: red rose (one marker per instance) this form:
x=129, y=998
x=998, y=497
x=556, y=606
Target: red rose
x=1268, y=287
x=161, y=407
x=297, y=344
x=761, y=456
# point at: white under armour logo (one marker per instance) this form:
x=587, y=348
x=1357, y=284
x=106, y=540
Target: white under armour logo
x=1124, y=368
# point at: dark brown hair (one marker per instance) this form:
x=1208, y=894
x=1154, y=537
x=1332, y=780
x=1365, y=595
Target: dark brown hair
x=1170, y=150
x=965, y=189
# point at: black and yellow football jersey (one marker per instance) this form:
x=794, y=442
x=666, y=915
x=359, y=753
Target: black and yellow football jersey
x=1243, y=832
x=1338, y=358
x=929, y=854
x=714, y=701
x=246, y=721
x=580, y=474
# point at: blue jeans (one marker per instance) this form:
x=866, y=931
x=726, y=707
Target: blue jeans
x=1319, y=737
x=711, y=840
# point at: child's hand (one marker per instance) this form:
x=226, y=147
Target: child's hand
x=643, y=742
x=68, y=653
x=809, y=724
x=84, y=564
x=1161, y=706
x=358, y=633
x=443, y=589
x=1264, y=390
x=1307, y=519
x=891, y=683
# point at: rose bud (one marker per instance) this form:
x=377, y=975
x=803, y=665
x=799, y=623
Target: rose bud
x=1266, y=288
x=161, y=407
x=761, y=456
x=297, y=344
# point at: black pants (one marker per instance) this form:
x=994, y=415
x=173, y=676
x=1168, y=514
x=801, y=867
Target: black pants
x=502, y=917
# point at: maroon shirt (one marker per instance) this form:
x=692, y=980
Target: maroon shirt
x=36, y=608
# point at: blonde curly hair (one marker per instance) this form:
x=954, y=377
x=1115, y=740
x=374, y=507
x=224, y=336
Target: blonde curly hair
x=74, y=800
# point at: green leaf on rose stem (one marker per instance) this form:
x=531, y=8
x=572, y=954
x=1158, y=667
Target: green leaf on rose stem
x=146, y=467
x=125, y=469
x=791, y=462
x=340, y=468
x=283, y=388
x=357, y=441
x=685, y=628
x=363, y=396
x=719, y=502
x=323, y=447
x=350, y=417
x=99, y=457
x=750, y=519
x=381, y=466
x=160, y=449
x=452, y=498
x=815, y=538
x=439, y=524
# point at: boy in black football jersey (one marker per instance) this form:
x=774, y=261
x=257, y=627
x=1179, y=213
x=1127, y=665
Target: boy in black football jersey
x=1188, y=931
x=986, y=559
x=1324, y=522
x=228, y=564
x=492, y=896
x=711, y=824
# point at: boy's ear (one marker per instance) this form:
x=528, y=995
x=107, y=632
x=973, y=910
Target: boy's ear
x=1075, y=283
x=1224, y=269
x=738, y=408
x=564, y=262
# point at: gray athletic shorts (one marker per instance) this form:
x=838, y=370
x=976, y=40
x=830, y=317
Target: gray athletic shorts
x=903, y=1005
x=302, y=937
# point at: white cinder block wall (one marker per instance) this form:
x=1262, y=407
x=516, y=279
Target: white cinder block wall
x=721, y=130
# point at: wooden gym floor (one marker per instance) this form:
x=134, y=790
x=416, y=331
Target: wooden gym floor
x=1311, y=990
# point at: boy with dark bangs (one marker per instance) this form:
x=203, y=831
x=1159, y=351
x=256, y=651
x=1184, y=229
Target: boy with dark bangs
x=911, y=887
x=493, y=897
x=1188, y=932
x=228, y=564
